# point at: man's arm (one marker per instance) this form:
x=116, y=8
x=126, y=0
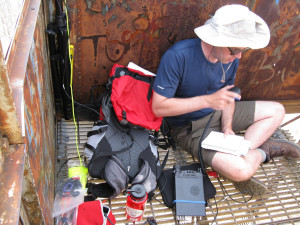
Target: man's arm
x=227, y=115
x=163, y=106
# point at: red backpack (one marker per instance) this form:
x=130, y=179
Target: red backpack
x=131, y=92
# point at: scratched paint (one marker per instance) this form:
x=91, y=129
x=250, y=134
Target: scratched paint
x=11, y=190
x=275, y=73
x=40, y=121
x=108, y=32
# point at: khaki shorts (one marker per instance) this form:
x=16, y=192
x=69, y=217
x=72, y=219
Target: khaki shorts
x=188, y=137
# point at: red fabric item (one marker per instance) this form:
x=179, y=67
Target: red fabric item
x=212, y=173
x=92, y=213
x=129, y=96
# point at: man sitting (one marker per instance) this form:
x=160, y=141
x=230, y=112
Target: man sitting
x=194, y=78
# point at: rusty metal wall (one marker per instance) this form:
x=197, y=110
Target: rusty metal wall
x=9, y=124
x=40, y=124
x=273, y=73
x=109, y=31
x=27, y=113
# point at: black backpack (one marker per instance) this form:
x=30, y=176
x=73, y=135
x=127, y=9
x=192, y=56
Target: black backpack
x=121, y=155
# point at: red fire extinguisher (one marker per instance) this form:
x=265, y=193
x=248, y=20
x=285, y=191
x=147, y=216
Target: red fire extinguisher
x=136, y=202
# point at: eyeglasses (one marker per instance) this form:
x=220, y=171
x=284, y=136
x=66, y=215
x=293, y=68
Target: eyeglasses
x=237, y=50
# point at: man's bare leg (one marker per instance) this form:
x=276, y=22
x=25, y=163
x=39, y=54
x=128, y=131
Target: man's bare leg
x=240, y=170
x=268, y=116
x=237, y=168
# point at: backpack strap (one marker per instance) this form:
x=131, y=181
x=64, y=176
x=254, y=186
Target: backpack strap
x=164, y=162
x=157, y=142
x=90, y=147
x=121, y=71
x=101, y=130
x=149, y=95
x=98, y=131
x=167, y=137
x=147, y=79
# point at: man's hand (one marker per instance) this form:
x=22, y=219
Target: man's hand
x=163, y=106
x=223, y=98
x=227, y=131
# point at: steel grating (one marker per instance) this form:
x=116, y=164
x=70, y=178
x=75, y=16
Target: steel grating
x=281, y=204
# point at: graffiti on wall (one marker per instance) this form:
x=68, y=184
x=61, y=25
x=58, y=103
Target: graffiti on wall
x=119, y=31
x=40, y=121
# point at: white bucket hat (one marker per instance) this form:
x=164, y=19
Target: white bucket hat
x=235, y=26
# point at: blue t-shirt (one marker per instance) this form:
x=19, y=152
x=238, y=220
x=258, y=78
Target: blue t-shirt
x=185, y=72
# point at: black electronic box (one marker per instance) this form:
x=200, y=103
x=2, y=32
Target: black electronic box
x=189, y=193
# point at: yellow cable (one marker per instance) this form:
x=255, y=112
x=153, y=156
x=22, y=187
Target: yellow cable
x=71, y=57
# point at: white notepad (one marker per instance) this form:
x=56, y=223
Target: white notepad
x=232, y=144
x=132, y=65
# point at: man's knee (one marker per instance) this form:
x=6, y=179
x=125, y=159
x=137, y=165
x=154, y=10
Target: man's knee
x=278, y=110
x=242, y=173
x=266, y=109
x=238, y=172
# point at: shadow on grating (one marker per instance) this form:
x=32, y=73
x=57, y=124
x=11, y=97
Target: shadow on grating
x=281, y=204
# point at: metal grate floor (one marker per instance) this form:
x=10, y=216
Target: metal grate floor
x=281, y=204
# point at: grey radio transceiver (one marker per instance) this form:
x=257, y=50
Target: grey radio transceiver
x=189, y=193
